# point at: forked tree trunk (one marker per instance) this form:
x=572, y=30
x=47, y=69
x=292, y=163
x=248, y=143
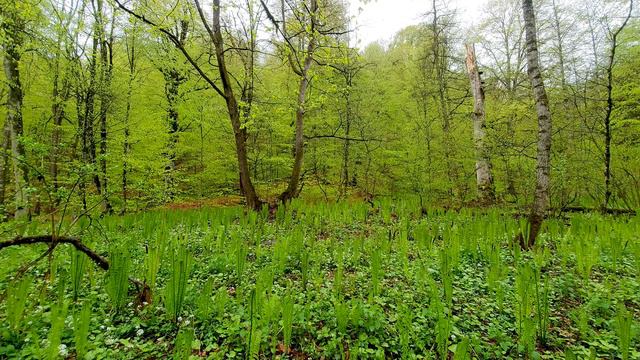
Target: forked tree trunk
x=292, y=189
x=484, y=178
x=543, y=168
x=239, y=132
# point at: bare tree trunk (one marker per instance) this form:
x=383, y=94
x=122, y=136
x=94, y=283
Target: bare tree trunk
x=607, y=118
x=14, y=114
x=543, y=179
x=484, y=178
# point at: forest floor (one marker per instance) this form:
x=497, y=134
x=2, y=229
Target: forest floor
x=327, y=281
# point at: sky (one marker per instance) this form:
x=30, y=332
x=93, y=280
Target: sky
x=380, y=19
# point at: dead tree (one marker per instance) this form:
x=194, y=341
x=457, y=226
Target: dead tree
x=484, y=178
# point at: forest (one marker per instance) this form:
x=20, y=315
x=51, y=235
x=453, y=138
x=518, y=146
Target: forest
x=225, y=179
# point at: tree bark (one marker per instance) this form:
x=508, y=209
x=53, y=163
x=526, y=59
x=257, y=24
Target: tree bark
x=484, y=178
x=543, y=168
x=12, y=57
x=173, y=80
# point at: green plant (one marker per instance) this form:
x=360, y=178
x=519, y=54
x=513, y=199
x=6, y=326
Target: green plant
x=16, y=302
x=287, y=319
x=581, y=320
x=81, y=324
x=117, y=282
x=375, y=268
x=462, y=350
x=404, y=329
x=342, y=316
x=183, y=343
x=338, y=276
x=304, y=268
x=623, y=322
x=176, y=288
x=153, y=260
x=524, y=307
x=78, y=260
x=57, y=316
x=204, y=305
x=542, y=305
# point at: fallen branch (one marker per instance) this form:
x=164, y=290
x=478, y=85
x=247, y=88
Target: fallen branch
x=610, y=211
x=77, y=243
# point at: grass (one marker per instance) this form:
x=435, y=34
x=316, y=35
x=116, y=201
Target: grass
x=331, y=280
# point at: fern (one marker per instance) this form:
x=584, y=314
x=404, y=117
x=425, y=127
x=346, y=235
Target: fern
x=182, y=347
x=204, y=305
x=176, y=289
x=58, y=314
x=376, y=273
x=254, y=349
x=342, y=316
x=81, y=322
x=287, y=319
x=78, y=261
x=16, y=302
x=118, y=278
x=623, y=323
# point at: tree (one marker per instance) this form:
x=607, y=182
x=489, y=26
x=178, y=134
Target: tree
x=607, y=119
x=12, y=32
x=484, y=178
x=543, y=168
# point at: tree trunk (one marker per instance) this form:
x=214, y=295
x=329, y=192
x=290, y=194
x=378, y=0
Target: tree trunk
x=543, y=169
x=4, y=169
x=292, y=189
x=106, y=69
x=87, y=131
x=239, y=132
x=484, y=178
x=14, y=115
x=131, y=58
x=440, y=65
x=59, y=96
x=607, y=119
x=172, y=80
